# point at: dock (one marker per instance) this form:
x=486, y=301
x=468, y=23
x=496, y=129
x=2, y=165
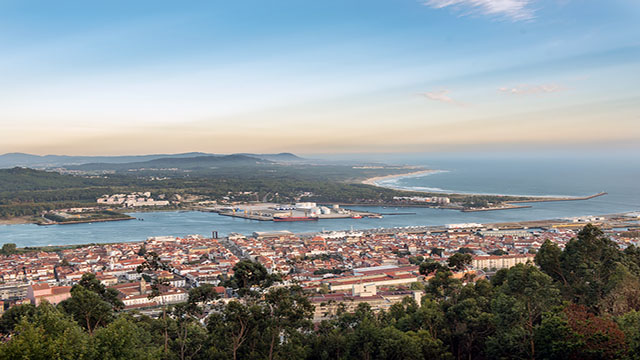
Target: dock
x=267, y=212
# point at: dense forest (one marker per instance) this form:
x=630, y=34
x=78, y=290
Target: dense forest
x=28, y=192
x=578, y=303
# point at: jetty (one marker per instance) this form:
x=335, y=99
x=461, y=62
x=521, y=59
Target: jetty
x=568, y=198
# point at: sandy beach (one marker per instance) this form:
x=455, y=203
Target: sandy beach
x=373, y=181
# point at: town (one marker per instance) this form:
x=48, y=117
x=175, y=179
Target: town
x=379, y=267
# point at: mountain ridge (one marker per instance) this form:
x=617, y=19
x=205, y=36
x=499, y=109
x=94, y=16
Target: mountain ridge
x=10, y=160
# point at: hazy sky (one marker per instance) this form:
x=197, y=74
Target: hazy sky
x=121, y=77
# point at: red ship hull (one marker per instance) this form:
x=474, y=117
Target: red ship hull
x=295, y=218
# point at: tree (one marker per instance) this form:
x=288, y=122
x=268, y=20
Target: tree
x=429, y=317
x=430, y=347
x=429, y=267
x=555, y=340
x=8, y=249
x=202, y=294
x=416, y=260
x=122, y=340
x=288, y=311
x=629, y=323
x=437, y=251
x=190, y=337
x=622, y=291
x=593, y=271
x=91, y=283
x=465, y=250
x=442, y=284
x=230, y=328
x=328, y=342
x=14, y=315
x=549, y=260
x=576, y=333
x=49, y=334
x=469, y=325
x=523, y=296
x=602, y=337
x=417, y=286
x=247, y=274
x=88, y=308
x=153, y=263
x=459, y=261
x=142, y=251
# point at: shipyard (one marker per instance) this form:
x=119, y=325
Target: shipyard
x=303, y=211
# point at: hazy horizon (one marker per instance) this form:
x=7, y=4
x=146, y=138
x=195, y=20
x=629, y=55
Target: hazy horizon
x=622, y=150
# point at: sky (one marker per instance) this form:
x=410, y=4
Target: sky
x=333, y=76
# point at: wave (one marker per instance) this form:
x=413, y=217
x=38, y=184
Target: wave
x=394, y=180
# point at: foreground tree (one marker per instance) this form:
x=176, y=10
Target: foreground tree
x=48, y=334
x=123, y=339
x=523, y=295
x=575, y=333
x=288, y=313
x=629, y=323
x=14, y=315
x=88, y=309
x=594, y=272
x=91, y=303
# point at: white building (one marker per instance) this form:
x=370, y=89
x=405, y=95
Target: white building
x=305, y=205
x=494, y=262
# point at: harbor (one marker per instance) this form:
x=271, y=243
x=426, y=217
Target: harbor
x=306, y=211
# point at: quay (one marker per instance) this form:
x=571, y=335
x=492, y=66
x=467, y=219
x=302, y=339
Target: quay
x=509, y=205
x=506, y=206
x=274, y=212
x=83, y=221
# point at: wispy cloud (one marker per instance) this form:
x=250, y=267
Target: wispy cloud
x=441, y=96
x=526, y=89
x=517, y=10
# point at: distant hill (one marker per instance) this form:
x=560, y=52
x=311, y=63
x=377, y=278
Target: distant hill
x=48, y=161
x=281, y=157
x=11, y=160
x=189, y=163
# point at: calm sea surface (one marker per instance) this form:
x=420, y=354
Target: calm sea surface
x=576, y=175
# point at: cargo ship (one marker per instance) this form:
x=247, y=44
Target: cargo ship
x=295, y=218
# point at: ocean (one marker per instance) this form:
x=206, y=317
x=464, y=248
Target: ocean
x=585, y=174
x=510, y=174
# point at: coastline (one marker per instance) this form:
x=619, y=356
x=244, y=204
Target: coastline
x=22, y=220
x=510, y=202
x=374, y=180
x=528, y=198
x=17, y=220
x=85, y=221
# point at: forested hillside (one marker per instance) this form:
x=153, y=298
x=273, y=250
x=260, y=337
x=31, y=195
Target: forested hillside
x=26, y=192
